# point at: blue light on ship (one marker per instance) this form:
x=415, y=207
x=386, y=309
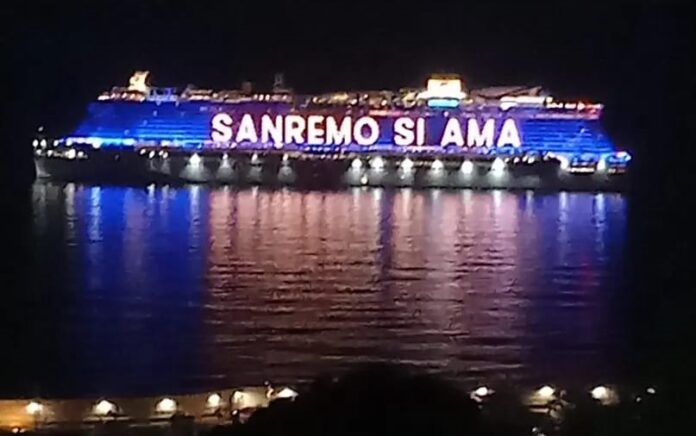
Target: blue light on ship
x=187, y=125
x=443, y=103
x=143, y=117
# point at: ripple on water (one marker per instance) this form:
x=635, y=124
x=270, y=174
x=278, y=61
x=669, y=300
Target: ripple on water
x=190, y=290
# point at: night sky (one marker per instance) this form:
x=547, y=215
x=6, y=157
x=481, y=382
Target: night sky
x=63, y=54
x=633, y=56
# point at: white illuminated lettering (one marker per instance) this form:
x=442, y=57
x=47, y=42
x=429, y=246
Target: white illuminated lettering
x=314, y=131
x=371, y=125
x=509, y=135
x=246, y=130
x=403, y=131
x=294, y=129
x=479, y=138
x=222, y=127
x=336, y=135
x=452, y=133
x=272, y=129
x=420, y=131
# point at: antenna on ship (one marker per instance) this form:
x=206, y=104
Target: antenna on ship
x=247, y=87
x=278, y=82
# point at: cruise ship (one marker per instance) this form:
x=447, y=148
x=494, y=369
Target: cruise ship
x=438, y=135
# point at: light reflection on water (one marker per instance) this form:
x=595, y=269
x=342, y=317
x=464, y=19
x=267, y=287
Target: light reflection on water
x=182, y=288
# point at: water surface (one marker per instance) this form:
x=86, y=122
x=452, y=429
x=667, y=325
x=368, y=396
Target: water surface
x=163, y=289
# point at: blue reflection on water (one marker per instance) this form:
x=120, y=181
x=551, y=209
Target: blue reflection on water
x=136, y=307
x=155, y=289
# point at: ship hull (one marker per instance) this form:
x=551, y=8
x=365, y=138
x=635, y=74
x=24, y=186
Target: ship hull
x=335, y=171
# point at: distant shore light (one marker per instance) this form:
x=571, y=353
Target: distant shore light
x=546, y=392
x=600, y=393
x=482, y=391
x=166, y=405
x=286, y=393
x=214, y=401
x=34, y=408
x=104, y=407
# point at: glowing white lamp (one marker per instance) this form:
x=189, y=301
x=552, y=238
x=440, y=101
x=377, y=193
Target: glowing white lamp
x=564, y=163
x=166, y=405
x=286, y=393
x=377, y=163
x=546, y=392
x=104, y=407
x=498, y=167
x=600, y=393
x=482, y=391
x=34, y=408
x=601, y=164
x=195, y=160
x=237, y=396
x=467, y=167
x=214, y=401
x=407, y=164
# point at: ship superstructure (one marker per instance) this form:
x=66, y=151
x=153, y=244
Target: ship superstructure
x=442, y=124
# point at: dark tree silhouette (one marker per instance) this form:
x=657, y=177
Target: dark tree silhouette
x=372, y=400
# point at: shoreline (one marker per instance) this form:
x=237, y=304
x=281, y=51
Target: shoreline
x=230, y=406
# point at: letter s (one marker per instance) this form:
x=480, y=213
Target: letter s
x=222, y=127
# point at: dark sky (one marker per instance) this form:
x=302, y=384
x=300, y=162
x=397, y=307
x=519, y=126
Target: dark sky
x=65, y=53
